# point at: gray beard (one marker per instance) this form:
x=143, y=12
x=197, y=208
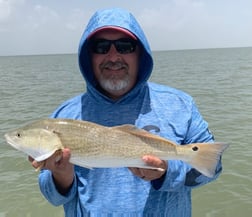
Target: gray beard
x=114, y=84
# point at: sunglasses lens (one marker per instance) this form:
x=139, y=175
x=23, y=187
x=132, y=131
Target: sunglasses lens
x=101, y=46
x=123, y=45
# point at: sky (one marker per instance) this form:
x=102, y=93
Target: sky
x=30, y=27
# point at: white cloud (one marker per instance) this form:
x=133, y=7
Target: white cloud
x=8, y=8
x=172, y=21
x=75, y=20
x=5, y=10
x=47, y=27
x=187, y=24
x=45, y=13
x=171, y=16
x=42, y=18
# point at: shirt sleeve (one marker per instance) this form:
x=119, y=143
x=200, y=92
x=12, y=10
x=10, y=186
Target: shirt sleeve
x=50, y=192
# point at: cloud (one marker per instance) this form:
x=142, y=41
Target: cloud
x=169, y=20
x=5, y=10
x=76, y=19
x=47, y=27
x=10, y=14
x=8, y=9
x=192, y=24
x=172, y=15
x=40, y=18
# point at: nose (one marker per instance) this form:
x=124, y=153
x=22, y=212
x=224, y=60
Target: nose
x=113, y=54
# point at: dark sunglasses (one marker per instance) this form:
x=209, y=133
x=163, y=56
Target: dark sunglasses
x=122, y=45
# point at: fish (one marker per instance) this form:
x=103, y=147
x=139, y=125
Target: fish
x=96, y=146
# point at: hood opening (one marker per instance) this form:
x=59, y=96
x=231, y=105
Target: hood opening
x=121, y=20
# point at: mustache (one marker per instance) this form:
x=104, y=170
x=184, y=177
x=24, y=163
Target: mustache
x=113, y=65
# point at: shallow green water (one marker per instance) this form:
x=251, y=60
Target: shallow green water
x=220, y=80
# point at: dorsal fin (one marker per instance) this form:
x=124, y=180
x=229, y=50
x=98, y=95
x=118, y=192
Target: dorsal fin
x=133, y=130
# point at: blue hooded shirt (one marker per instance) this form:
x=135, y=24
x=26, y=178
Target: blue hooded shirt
x=162, y=110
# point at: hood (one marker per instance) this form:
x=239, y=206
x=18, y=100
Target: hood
x=114, y=17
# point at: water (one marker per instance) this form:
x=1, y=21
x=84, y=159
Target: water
x=220, y=80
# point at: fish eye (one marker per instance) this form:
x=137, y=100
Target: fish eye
x=18, y=135
x=195, y=148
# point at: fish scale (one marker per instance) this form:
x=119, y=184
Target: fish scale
x=96, y=146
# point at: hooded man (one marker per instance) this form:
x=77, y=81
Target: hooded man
x=116, y=62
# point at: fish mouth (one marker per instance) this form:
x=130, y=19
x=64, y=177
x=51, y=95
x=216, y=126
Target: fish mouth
x=37, y=155
x=10, y=141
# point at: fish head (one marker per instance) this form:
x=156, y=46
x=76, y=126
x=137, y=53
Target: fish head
x=38, y=143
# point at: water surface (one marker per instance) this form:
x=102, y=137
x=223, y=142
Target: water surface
x=220, y=80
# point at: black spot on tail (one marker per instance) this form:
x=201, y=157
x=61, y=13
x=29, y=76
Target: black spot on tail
x=195, y=148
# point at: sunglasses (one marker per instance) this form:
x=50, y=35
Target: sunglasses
x=122, y=45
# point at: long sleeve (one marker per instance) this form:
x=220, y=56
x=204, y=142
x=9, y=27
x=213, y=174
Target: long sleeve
x=50, y=191
x=46, y=182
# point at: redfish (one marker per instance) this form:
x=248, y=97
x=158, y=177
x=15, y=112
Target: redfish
x=97, y=146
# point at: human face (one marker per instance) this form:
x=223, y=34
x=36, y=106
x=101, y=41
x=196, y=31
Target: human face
x=115, y=73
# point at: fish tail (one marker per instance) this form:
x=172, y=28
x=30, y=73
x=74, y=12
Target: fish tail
x=206, y=156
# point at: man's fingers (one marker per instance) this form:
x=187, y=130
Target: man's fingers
x=35, y=164
x=151, y=174
x=155, y=162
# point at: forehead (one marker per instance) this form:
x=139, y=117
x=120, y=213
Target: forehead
x=110, y=34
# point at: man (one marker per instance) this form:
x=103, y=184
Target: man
x=115, y=61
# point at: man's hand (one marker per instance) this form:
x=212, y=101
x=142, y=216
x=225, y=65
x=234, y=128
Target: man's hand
x=62, y=170
x=151, y=174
